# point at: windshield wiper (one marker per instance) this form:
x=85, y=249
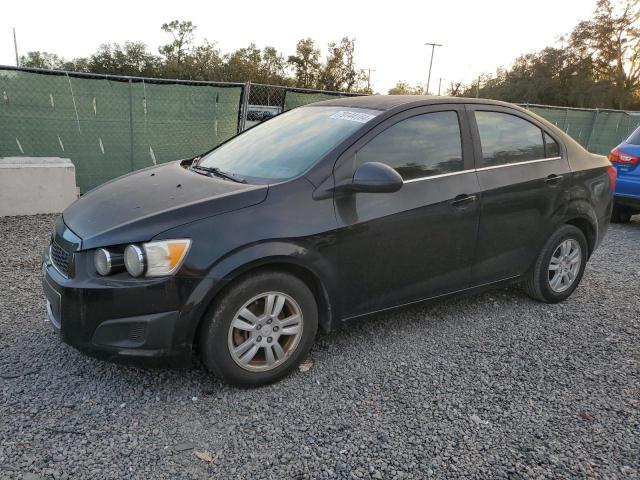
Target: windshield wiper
x=219, y=173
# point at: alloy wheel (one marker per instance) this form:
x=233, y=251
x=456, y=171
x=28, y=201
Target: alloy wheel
x=564, y=265
x=265, y=331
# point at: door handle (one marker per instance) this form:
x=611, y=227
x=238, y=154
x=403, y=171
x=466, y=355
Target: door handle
x=463, y=199
x=553, y=179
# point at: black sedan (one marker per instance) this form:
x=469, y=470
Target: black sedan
x=320, y=215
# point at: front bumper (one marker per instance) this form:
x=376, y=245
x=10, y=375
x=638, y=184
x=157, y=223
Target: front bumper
x=120, y=318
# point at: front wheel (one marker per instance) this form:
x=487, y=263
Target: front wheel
x=559, y=266
x=260, y=329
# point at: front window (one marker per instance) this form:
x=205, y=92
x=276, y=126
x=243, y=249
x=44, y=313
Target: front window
x=287, y=145
x=418, y=147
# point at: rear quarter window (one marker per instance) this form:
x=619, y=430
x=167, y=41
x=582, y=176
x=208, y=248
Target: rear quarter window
x=634, y=138
x=552, y=149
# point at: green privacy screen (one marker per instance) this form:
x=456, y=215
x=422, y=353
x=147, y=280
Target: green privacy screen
x=596, y=130
x=110, y=126
x=293, y=99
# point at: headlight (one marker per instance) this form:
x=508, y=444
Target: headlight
x=134, y=260
x=107, y=262
x=156, y=259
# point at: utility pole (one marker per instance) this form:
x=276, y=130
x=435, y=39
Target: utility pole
x=478, y=87
x=15, y=46
x=433, y=47
x=439, y=85
x=368, y=70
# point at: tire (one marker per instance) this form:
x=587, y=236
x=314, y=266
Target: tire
x=243, y=320
x=621, y=215
x=538, y=284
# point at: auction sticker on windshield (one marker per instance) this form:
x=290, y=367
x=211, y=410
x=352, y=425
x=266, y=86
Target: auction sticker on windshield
x=353, y=116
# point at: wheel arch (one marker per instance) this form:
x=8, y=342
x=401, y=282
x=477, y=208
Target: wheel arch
x=586, y=226
x=226, y=274
x=283, y=264
x=580, y=213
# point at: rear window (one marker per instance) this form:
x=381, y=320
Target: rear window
x=634, y=138
x=506, y=138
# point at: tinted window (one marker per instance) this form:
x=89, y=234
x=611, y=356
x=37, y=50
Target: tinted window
x=508, y=139
x=552, y=148
x=288, y=144
x=634, y=138
x=419, y=146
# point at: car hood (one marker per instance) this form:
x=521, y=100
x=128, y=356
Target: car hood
x=139, y=206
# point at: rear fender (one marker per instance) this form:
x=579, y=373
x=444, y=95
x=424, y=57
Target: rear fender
x=580, y=213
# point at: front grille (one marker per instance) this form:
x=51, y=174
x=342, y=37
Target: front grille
x=61, y=259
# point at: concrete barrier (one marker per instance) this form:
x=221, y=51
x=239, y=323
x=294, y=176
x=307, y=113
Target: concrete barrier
x=31, y=185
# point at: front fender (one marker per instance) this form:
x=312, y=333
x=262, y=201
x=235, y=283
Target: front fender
x=276, y=253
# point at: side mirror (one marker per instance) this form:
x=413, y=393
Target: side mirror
x=373, y=177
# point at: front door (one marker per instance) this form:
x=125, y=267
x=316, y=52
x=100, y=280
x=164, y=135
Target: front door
x=396, y=248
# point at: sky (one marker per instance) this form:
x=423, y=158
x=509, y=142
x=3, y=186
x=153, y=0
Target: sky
x=477, y=35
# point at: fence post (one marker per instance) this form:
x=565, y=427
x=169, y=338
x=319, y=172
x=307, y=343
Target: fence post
x=131, y=124
x=246, y=91
x=593, y=124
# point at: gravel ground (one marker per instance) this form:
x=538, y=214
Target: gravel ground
x=493, y=386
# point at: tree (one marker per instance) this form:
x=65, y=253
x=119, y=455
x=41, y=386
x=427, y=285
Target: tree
x=41, y=60
x=612, y=40
x=131, y=59
x=306, y=63
x=182, y=58
x=403, y=88
x=596, y=65
x=339, y=72
x=175, y=53
x=243, y=65
x=273, y=67
x=205, y=63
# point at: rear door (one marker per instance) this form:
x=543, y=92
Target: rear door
x=395, y=248
x=522, y=171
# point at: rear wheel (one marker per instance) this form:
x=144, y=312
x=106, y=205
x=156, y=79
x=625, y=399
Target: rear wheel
x=559, y=266
x=260, y=329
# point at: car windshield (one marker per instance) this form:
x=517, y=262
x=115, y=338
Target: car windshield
x=286, y=145
x=634, y=138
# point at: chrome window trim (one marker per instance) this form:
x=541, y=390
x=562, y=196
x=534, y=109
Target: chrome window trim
x=450, y=174
x=481, y=169
x=526, y=162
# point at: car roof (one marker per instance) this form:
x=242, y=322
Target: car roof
x=388, y=102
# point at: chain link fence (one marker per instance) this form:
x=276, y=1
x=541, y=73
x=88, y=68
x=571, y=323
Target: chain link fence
x=596, y=130
x=262, y=102
x=111, y=125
